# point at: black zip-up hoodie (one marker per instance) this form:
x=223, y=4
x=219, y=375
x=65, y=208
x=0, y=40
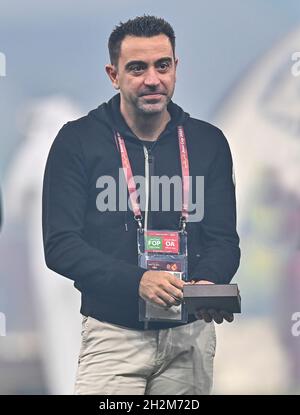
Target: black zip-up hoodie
x=98, y=250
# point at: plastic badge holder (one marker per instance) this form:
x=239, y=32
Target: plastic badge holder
x=163, y=251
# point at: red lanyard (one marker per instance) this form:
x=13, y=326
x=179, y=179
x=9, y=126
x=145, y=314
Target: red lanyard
x=184, y=159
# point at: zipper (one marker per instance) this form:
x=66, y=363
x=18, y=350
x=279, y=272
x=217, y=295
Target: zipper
x=148, y=163
x=149, y=160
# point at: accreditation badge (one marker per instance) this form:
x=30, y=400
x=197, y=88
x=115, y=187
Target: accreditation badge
x=163, y=250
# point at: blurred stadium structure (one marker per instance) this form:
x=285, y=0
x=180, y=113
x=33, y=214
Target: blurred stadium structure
x=261, y=119
x=55, y=336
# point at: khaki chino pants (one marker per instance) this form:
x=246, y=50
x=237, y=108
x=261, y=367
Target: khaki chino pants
x=115, y=360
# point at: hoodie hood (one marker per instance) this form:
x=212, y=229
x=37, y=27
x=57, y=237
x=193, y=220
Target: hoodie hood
x=109, y=113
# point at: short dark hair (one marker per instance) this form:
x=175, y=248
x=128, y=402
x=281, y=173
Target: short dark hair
x=141, y=26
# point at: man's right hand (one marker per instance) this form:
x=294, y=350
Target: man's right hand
x=161, y=288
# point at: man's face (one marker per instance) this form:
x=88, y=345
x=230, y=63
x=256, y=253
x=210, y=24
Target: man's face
x=146, y=74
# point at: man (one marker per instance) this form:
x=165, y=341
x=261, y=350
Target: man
x=97, y=248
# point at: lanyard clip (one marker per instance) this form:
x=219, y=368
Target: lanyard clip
x=139, y=219
x=182, y=223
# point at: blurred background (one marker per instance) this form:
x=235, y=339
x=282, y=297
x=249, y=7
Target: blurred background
x=239, y=69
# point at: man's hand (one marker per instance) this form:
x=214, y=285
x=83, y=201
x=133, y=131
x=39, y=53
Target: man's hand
x=211, y=314
x=161, y=288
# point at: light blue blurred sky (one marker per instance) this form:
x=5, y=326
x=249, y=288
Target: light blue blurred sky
x=61, y=47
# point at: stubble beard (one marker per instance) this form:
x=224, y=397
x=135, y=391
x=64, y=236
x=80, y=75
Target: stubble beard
x=151, y=108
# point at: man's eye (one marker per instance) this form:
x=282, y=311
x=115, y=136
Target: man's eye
x=136, y=68
x=164, y=66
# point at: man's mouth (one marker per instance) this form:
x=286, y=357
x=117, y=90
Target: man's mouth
x=152, y=96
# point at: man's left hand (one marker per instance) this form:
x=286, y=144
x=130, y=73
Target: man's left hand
x=211, y=314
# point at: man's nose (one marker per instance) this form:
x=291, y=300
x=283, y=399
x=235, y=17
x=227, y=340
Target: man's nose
x=151, y=78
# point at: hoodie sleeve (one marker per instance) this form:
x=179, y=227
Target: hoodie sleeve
x=220, y=258
x=65, y=196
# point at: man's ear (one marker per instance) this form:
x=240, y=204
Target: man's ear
x=176, y=63
x=112, y=73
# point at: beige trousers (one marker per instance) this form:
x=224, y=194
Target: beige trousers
x=115, y=360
